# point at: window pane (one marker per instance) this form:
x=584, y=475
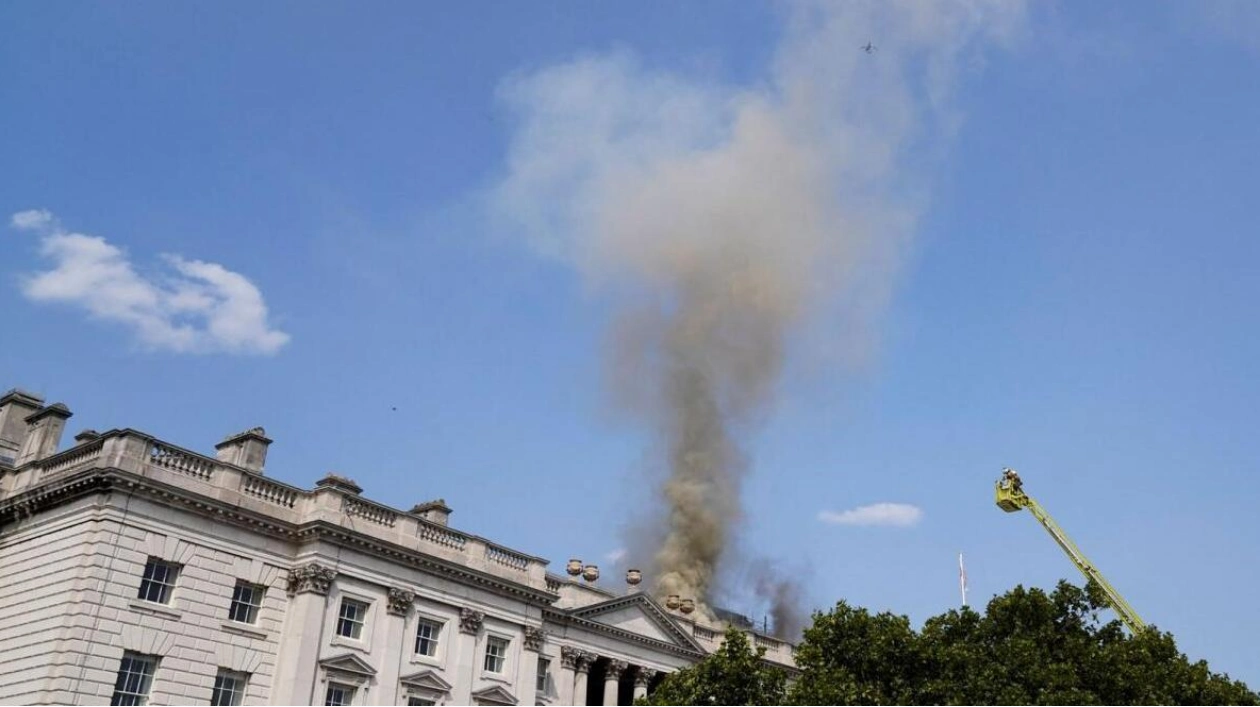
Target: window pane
x=135, y=676
x=350, y=621
x=543, y=666
x=496, y=649
x=229, y=688
x=338, y=694
x=159, y=577
x=246, y=599
x=427, y=637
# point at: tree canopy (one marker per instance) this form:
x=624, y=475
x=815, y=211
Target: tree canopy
x=1029, y=647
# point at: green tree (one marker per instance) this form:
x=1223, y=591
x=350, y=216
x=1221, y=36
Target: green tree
x=1029, y=647
x=735, y=674
x=849, y=656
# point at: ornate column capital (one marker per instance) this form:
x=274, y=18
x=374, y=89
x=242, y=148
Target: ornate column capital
x=584, y=661
x=643, y=676
x=400, y=601
x=311, y=578
x=569, y=657
x=534, y=638
x=615, y=669
x=470, y=620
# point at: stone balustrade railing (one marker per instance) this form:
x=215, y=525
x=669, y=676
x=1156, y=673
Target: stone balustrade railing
x=132, y=451
x=71, y=459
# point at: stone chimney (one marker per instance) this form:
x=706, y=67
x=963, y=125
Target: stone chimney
x=247, y=449
x=43, y=433
x=433, y=511
x=15, y=406
x=337, y=481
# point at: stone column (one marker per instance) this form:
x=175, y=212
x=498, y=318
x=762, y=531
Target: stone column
x=397, y=607
x=527, y=673
x=304, y=635
x=466, y=668
x=612, y=680
x=568, y=674
x=583, y=668
x=642, y=678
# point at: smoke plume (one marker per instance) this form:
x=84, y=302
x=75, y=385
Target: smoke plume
x=723, y=219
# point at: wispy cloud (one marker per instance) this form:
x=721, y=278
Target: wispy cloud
x=616, y=556
x=891, y=514
x=193, y=307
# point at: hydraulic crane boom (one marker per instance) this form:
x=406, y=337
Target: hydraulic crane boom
x=1011, y=498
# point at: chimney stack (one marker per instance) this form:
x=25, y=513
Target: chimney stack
x=43, y=433
x=247, y=449
x=15, y=406
x=433, y=511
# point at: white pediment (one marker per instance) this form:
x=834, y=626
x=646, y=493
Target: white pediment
x=640, y=615
x=348, y=663
x=493, y=696
x=426, y=680
x=635, y=620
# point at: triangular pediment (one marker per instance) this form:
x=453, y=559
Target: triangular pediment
x=426, y=680
x=348, y=663
x=494, y=696
x=641, y=615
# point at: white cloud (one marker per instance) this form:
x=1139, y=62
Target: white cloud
x=893, y=514
x=32, y=219
x=616, y=556
x=199, y=307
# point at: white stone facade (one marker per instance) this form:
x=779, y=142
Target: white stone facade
x=207, y=582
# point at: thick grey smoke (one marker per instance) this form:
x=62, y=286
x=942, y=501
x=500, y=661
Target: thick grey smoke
x=725, y=218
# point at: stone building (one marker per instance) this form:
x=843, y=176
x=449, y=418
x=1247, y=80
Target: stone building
x=135, y=571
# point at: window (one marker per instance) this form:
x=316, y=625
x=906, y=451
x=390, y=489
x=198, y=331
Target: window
x=135, y=677
x=229, y=687
x=413, y=701
x=496, y=654
x=245, y=602
x=338, y=694
x=543, y=666
x=427, y=633
x=159, y=578
x=350, y=623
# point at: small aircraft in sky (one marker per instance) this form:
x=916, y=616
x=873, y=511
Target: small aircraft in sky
x=869, y=48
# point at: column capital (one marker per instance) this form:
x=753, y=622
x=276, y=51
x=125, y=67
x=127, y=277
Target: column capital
x=534, y=638
x=584, y=661
x=643, y=676
x=470, y=620
x=615, y=669
x=400, y=601
x=311, y=578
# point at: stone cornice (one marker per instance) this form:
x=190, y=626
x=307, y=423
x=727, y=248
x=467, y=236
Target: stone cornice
x=331, y=532
x=65, y=488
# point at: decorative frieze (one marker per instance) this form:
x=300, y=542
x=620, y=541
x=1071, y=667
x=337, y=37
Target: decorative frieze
x=400, y=601
x=470, y=620
x=311, y=578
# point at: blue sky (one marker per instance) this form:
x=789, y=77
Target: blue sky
x=1059, y=271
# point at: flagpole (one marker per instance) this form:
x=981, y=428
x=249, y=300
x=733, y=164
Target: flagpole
x=962, y=579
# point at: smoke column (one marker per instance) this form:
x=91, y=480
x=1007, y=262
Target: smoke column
x=728, y=222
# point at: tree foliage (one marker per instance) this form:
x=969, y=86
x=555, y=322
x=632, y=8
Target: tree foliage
x=735, y=674
x=1029, y=647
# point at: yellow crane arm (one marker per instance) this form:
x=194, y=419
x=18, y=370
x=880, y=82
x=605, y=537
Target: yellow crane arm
x=1011, y=498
